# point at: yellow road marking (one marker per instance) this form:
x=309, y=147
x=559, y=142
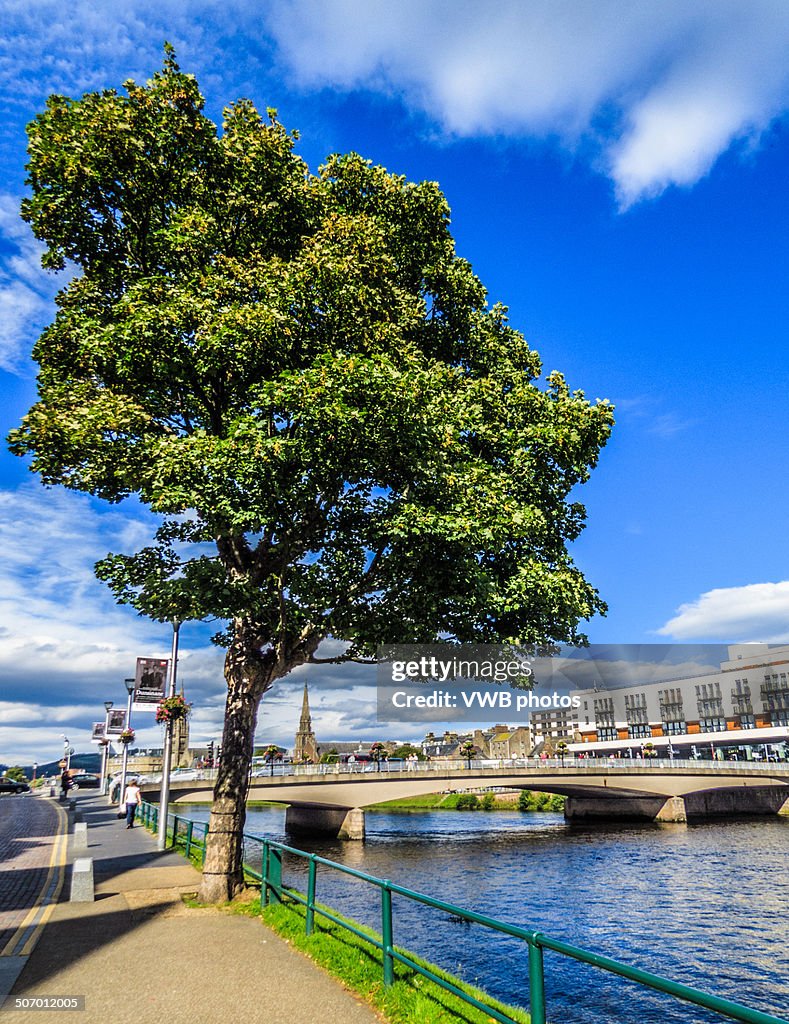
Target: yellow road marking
x=45, y=901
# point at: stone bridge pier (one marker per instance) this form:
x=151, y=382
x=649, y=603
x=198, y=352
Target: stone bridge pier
x=322, y=820
x=710, y=803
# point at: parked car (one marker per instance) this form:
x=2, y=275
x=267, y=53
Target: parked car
x=12, y=786
x=84, y=780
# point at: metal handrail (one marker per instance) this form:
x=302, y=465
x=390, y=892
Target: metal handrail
x=273, y=890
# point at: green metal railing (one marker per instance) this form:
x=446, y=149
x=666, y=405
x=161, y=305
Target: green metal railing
x=273, y=890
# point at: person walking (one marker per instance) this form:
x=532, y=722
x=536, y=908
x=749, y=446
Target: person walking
x=132, y=798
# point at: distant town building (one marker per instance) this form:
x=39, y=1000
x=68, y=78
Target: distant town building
x=181, y=756
x=504, y=741
x=511, y=743
x=553, y=725
x=305, y=747
x=740, y=710
x=443, y=748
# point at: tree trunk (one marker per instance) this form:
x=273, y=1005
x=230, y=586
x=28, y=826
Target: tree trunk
x=223, y=874
x=248, y=674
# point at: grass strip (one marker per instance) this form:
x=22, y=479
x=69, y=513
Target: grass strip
x=526, y=801
x=412, y=999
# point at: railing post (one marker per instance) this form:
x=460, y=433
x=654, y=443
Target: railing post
x=188, y=846
x=309, y=923
x=536, y=984
x=386, y=932
x=264, y=874
x=274, y=884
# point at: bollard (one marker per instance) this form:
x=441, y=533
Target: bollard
x=80, y=841
x=82, y=880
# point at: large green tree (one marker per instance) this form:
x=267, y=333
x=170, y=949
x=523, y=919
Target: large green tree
x=301, y=378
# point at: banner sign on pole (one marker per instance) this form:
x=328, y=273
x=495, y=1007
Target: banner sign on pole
x=116, y=722
x=150, y=683
x=98, y=732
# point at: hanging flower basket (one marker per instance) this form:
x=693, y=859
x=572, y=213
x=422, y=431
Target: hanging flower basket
x=127, y=736
x=172, y=709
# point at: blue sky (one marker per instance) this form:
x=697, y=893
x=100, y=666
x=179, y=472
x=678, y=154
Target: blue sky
x=617, y=176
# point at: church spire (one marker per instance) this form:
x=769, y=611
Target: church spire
x=305, y=747
x=306, y=719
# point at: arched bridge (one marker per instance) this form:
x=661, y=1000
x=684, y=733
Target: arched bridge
x=331, y=798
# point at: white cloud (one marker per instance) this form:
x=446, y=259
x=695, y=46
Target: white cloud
x=65, y=646
x=661, y=89
x=26, y=291
x=651, y=93
x=755, y=612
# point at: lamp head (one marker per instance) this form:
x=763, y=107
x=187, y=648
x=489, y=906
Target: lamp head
x=129, y=683
x=107, y=705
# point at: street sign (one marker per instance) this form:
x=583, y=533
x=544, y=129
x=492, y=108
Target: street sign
x=150, y=683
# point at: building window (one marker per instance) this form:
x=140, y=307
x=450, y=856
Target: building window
x=713, y=724
x=636, y=709
x=639, y=732
x=607, y=733
x=774, y=694
x=741, y=698
x=672, y=711
x=604, y=711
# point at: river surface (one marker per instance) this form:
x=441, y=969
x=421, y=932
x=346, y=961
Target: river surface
x=706, y=904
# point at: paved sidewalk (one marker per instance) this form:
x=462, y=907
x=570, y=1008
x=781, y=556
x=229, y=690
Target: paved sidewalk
x=138, y=954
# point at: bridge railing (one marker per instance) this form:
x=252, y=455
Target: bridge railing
x=595, y=764
x=190, y=837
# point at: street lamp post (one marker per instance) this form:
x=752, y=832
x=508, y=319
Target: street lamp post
x=167, y=756
x=106, y=748
x=125, y=762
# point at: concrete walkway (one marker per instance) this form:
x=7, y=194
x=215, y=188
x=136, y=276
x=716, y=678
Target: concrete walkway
x=138, y=954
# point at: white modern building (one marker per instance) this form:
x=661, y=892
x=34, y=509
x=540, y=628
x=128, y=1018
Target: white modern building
x=740, y=711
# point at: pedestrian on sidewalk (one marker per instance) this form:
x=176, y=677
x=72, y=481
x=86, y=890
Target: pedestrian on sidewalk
x=132, y=798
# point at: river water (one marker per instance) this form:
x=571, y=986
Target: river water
x=706, y=904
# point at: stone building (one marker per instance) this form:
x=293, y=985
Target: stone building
x=504, y=741
x=181, y=756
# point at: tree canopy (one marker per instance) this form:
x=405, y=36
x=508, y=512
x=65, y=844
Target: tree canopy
x=300, y=376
